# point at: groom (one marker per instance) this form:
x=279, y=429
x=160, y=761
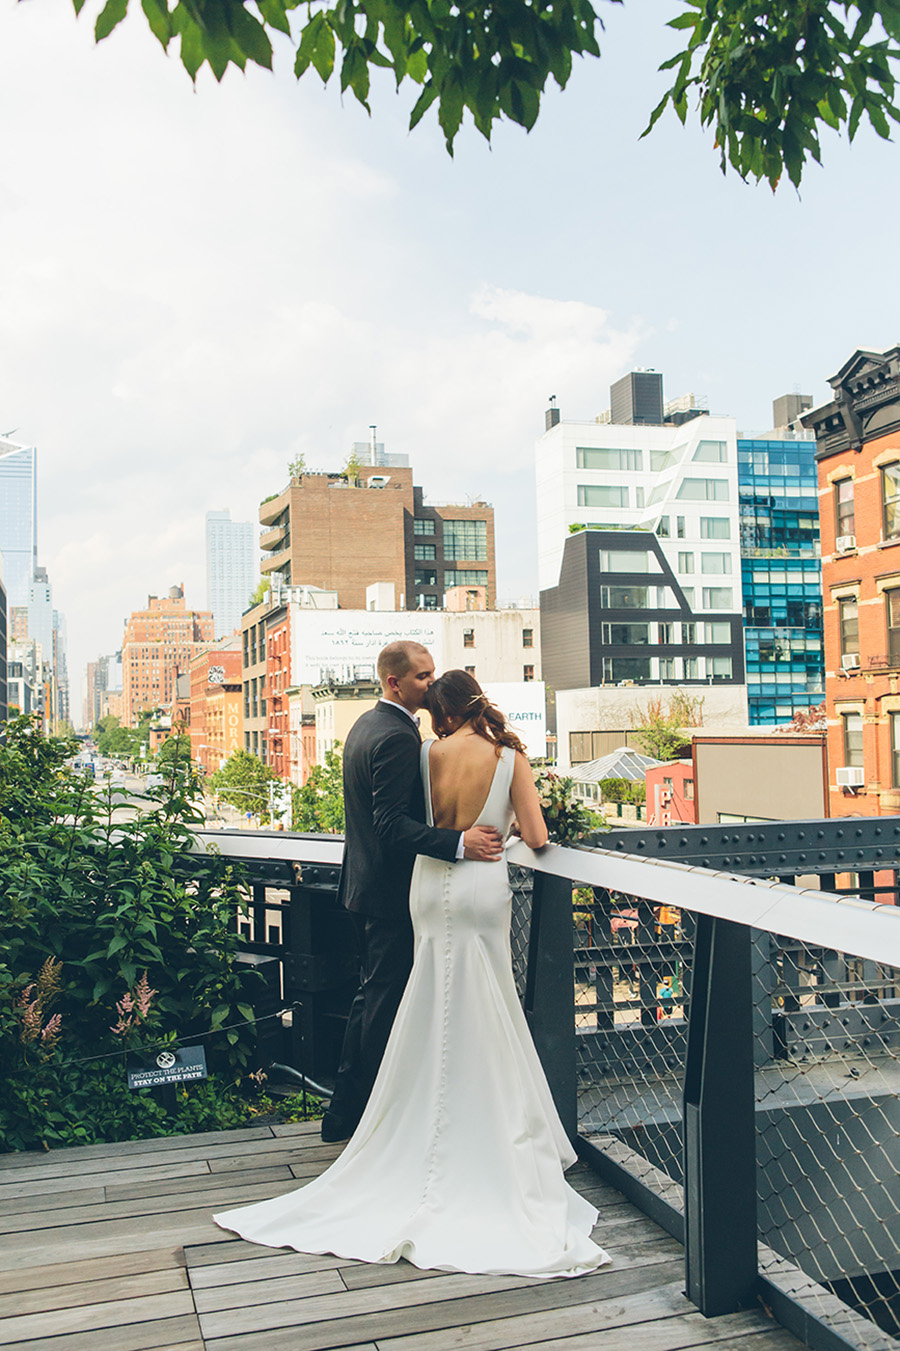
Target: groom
x=384, y=804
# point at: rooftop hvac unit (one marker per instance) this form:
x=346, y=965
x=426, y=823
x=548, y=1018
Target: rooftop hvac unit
x=378, y=480
x=850, y=661
x=845, y=542
x=851, y=776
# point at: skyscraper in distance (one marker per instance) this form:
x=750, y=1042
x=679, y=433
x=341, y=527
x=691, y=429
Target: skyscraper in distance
x=18, y=518
x=231, y=569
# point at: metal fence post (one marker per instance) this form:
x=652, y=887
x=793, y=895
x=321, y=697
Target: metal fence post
x=719, y=1125
x=549, y=991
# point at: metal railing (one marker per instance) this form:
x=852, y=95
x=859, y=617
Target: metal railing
x=723, y=1047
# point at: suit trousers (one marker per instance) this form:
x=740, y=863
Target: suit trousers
x=386, y=953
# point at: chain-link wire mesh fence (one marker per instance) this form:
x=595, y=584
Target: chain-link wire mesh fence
x=826, y=1040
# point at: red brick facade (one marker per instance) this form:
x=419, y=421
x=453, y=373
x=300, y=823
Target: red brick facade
x=159, y=642
x=278, y=682
x=858, y=451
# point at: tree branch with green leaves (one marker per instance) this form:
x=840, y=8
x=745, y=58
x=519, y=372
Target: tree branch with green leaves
x=766, y=75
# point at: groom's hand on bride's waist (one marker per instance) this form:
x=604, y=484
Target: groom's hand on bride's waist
x=483, y=843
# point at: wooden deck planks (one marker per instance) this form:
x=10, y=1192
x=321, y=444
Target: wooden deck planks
x=113, y=1248
x=413, y=1320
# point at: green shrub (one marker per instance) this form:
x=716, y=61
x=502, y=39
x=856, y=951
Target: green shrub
x=115, y=937
x=623, y=790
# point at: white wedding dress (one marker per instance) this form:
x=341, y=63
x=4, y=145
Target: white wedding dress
x=457, y=1163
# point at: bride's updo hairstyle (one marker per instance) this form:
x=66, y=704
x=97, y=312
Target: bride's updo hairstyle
x=456, y=698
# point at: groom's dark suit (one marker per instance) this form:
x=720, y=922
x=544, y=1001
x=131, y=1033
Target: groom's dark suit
x=384, y=803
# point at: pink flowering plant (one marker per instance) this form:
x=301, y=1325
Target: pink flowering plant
x=568, y=820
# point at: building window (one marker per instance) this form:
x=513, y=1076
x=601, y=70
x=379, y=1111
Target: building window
x=662, y=528
x=719, y=668
x=892, y=614
x=703, y=490
x=720, y=563
x=717, y=597
x=624, y=597
x=600, y=457
x=665, y=633
x=466, y=540
x=465, y=577
x=470, y=670
x=895, y=750
x=715, y=527
x=528, y=637
x=691, y=668
x=618, y=669
x=685, y=563
x=843, y=508
x=679, y=526
x=852, y=726
x=712, y=452
x=848, y=621
x=638, y=497
x=890, y=500
x=625, y=635
x=667, y=668
x=624, y=560
x=599, y=495
x=689, y=634
x=421, y=526
x=468, y=638
x=689, y=790
x=428, y=602
x=528, y=673
x=423, y=553
x=719, y=634
x=426, y=576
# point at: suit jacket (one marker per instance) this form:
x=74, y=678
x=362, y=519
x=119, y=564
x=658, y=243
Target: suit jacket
x=384, y=804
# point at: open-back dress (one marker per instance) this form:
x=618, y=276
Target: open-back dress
x=457, y=1163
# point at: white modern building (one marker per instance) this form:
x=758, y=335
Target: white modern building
x=231, y=569
x=639, y=552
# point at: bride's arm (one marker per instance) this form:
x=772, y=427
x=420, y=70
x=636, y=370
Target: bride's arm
x=526, y=804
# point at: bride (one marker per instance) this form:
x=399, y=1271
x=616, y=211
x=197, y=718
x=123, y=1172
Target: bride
x=457, y=1163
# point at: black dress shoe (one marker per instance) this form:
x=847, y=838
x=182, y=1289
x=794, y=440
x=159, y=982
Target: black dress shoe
x=336, y=1129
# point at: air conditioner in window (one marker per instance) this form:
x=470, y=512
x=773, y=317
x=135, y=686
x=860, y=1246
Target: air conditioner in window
x=851, y=776
x=845, y=542
x=850, y=661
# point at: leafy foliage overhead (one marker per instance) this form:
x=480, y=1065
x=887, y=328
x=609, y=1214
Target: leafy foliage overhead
x=766, y=73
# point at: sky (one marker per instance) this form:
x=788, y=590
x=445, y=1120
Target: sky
x=198, y=284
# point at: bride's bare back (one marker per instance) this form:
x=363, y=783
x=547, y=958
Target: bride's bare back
x=462, y=768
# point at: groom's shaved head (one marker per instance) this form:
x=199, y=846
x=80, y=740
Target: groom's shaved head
x=398, y=659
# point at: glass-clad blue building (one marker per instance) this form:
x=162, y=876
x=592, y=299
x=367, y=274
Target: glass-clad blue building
x=781, y=577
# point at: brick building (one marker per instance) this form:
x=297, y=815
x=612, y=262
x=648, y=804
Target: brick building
x=223, y=721
x=159, y=641
x=858, y=455
x=212, y=671
x=278, y=681
x=343, y=534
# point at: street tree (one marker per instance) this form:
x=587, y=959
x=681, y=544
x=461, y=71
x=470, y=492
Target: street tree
x=115, y=740
x=244, y=782
x=319, y=804
x=766, y=75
